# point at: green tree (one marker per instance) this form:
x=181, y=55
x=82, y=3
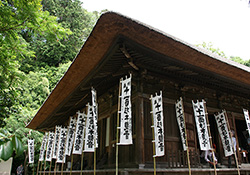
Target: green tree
x=9, y=144
x=70, y=14
x=19, y=17
x=209, y=46
x=54, y=74
x=31, y=94
x=217, y=51
x=240, y=60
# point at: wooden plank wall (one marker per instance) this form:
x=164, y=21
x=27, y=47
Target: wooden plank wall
x=141, y=151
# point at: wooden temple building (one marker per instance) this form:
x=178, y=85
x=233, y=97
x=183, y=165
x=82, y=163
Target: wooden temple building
x=157, y=61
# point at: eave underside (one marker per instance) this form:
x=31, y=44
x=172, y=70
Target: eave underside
x=116, y=63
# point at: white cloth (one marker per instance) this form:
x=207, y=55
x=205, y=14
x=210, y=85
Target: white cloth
x=209, y=156
x=234, y=143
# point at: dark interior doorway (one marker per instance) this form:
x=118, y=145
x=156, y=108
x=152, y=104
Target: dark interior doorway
x=242, y=133
x=214, y=131
x=215, y=136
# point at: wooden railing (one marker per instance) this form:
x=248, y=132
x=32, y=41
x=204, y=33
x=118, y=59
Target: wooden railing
x=178, y=159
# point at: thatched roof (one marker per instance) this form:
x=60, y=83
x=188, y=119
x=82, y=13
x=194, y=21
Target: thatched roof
x=102, y=61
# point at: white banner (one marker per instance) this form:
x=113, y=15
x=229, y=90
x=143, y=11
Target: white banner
x=31, y=150
x=201, y=125
x=79, y=134
x=95, y=112
x=70, y=136
x=49, y=150
x=90, y=130
x=181, y=122
x=56, y=141
x=61, y=145
x=158, y=125
x=246, y=114
x=224, y=133
x=43, y=147
x=126, y=113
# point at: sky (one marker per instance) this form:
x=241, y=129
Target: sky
x=224, y=23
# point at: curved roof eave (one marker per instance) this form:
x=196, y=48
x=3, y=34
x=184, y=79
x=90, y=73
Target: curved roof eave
x=109, y=26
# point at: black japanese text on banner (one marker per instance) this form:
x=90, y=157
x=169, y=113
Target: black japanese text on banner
x=181, y=122
x=246, y=114
x=224, y=133
x=201, y=124
x=70, y=136
x=56, y=141
x=126, y=113
x=90, y=131
x=158, y=125
x=95, y=112
x=61, y=146
x=49, y=150
x=31, y=150
x=79, y=133
x=43, y=147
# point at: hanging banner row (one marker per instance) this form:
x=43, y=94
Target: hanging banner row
x=81, y=134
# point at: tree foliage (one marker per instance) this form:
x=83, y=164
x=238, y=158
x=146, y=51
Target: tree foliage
x=38, y=40
x=31, y=94
x=9, y=144
x=209, y=46
x=70, y=14
x=19, y=17
x=240, y=60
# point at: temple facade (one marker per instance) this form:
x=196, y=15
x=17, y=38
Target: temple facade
x=119, y=46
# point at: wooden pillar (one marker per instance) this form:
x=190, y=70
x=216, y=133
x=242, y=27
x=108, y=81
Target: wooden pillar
x=109, y=148
x=140, y=149
x=140, y=133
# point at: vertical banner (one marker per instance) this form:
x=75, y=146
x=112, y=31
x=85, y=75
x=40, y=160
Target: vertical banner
x=201, y=124
x=126, y=113
x=90, y=127
x=31, y=150
x=70, y=136
x=224, y=133
x=56, y=141
x=246, y=114
x=181, y=122
x=61, y=145
x=79, y=133
x=49, y=150
x=43, y=147
x=158, y=125
x=95, y=112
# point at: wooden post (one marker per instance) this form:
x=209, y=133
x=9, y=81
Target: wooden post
x=140, y=131
x=94, y=161
x=41, y=166
x=209, y=134
x=83, y=145
x=38, y=167
x=95, y=138
x=71, y=153
x=153, y=135
x=64, y=149
x=71, y=164
x=62, y=169
x=82, y=162
x=188, y=159
x=117, y=130
x=50, y=166
x=55, y=168
x=235, y=156
x=44, y=167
